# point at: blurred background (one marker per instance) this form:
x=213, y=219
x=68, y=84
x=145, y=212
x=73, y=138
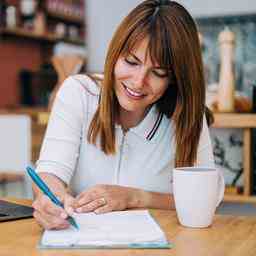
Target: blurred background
x=43, y=42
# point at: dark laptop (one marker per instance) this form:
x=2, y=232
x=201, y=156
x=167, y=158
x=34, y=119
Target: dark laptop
x=12, y=211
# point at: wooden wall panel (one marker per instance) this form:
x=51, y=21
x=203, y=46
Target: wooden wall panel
x=14, y=56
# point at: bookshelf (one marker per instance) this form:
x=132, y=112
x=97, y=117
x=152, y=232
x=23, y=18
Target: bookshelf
x=59, y=21
x=30, y=35
x=64, y=17
x=28, y=40
x=23, y=33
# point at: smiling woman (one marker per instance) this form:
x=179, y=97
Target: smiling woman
x=112, y=143
x=138, y=84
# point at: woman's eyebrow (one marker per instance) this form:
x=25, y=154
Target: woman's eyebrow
x=155, y=67
x=135, y=57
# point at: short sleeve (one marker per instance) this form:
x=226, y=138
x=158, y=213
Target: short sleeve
x=205, y=152
x=60, y=149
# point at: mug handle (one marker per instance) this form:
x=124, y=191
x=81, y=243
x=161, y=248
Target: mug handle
x=221, y=188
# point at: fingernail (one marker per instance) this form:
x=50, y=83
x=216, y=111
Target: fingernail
x=79, y=209
x=70, y=210
x=64, y=215
x=97, y=211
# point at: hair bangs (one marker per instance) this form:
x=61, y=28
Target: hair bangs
x=159, y=47
x=135, y=38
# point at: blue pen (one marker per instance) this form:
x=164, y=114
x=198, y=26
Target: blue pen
x=46, y=190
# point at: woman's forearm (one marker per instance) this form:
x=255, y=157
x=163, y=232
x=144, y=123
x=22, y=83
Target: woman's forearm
x=146, y=199
x=57, y=186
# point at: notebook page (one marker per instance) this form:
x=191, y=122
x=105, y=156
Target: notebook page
x=124, y=227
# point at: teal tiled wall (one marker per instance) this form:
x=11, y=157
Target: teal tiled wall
x=244, y=28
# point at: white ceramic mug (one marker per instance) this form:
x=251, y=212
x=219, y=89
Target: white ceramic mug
x=197, y=192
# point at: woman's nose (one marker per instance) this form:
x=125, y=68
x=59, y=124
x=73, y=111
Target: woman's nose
x=140, y=77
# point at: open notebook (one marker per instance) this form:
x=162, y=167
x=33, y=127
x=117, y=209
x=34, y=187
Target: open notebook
x=124, y=229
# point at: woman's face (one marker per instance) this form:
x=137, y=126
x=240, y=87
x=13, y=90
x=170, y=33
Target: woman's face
x=138, y=82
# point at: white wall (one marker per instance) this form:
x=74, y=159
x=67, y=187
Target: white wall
x=103, y=16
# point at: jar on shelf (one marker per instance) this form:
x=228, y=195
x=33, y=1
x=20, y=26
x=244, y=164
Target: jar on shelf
x=11, y=18
x=28, y=11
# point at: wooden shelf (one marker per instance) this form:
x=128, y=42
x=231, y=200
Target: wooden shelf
x=234, y=120
x=65, y=17
x=19, y=32
x=51, y=38
x=244, y=121
x=240, y=199
x=71, y=41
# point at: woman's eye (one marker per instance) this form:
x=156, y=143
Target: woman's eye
x=161, y=74
x=130, y=62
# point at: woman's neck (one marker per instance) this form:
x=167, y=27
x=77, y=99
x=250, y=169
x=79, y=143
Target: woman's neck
x=129, y=119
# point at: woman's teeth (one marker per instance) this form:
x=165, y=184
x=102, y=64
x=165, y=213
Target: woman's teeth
x=136, y=94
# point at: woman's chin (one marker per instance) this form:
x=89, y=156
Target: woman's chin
x=131, y=107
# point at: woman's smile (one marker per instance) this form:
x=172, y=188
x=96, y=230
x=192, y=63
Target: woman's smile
x=138, y=81
x=133, y=94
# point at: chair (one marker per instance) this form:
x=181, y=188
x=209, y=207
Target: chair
x=15, y=155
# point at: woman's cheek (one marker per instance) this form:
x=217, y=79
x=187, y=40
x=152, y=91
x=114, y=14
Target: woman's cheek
x=123, y=69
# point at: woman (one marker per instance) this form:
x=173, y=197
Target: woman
x=112, y=144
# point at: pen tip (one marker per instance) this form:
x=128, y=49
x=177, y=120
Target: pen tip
x=73, y=223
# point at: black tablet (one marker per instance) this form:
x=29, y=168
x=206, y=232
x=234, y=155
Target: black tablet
x=12, y=211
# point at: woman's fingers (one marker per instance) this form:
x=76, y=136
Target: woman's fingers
x=45, y=205
x=86, y=197
x=49, y=215
x=92, y=206
x=104, y=209
x=49, y=221
x=69, y=204
x=115, y=197
x=41, y=221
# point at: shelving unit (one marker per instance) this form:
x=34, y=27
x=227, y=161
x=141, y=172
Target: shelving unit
x=74, y=18
x=24, y=33
x=65, y=17
x=35, y=36
x=245, y=122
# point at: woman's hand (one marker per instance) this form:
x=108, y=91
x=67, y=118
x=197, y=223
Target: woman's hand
x=51, y=216
x=107, y=198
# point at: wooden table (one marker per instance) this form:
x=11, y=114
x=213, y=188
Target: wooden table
x=229, y=235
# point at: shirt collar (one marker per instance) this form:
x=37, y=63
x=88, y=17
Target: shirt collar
x=148, y=127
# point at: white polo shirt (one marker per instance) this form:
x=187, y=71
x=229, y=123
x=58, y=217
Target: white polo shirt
x=145, y=154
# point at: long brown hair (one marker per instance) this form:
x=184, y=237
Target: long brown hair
x=173, y=44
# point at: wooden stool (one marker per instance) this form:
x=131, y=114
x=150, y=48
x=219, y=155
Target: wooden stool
x=65, y=66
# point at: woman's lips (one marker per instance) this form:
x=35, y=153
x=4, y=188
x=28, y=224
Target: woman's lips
x=134, y=95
